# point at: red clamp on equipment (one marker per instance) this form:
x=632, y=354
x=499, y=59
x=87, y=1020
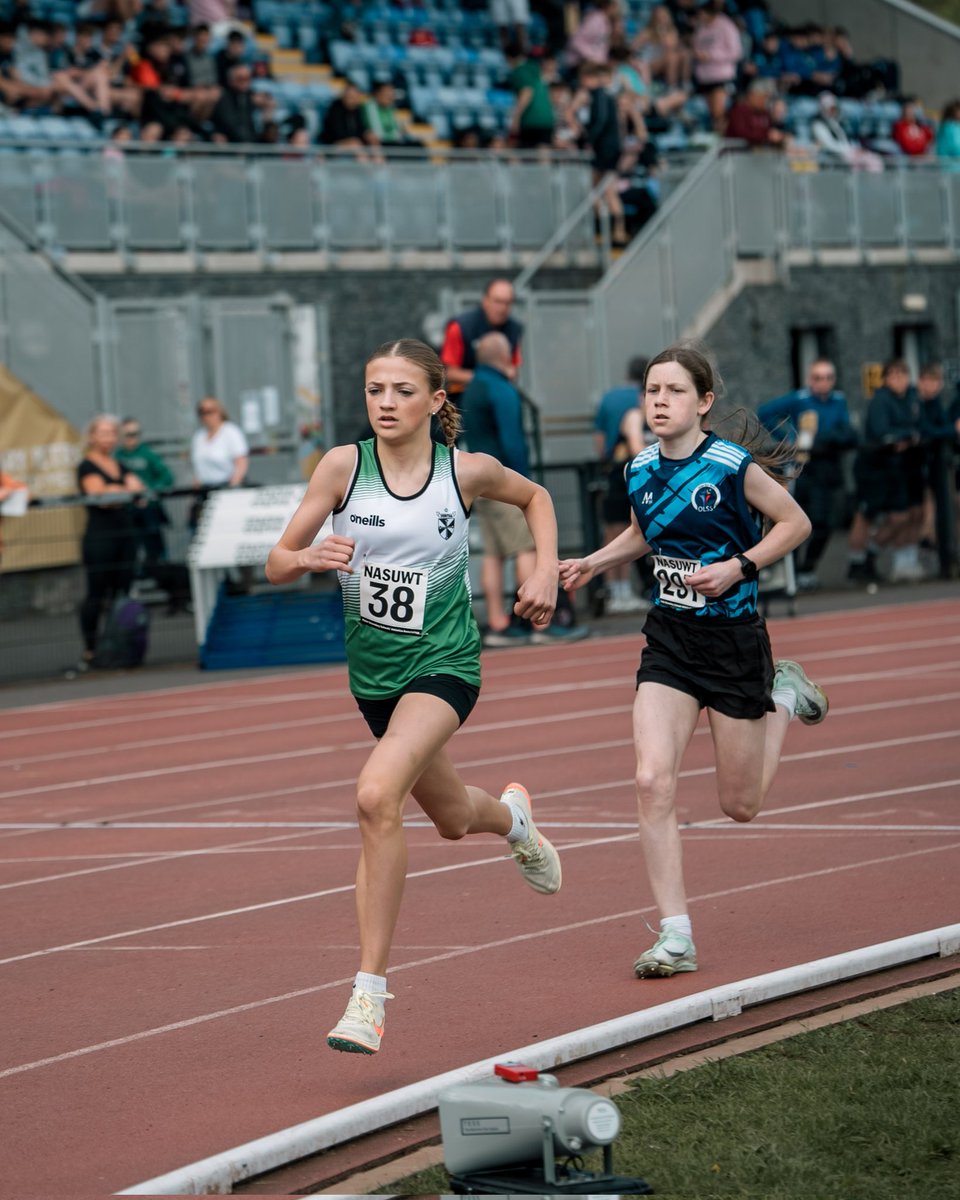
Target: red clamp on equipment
x=515, y=1073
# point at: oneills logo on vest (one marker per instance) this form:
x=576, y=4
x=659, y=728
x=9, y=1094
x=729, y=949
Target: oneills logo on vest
x=445, y=524
x=356, y=519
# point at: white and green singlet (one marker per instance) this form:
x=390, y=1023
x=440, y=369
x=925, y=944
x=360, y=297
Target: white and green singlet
x=407, y=605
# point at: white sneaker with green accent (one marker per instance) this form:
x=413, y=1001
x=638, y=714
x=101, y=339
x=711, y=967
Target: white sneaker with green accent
x=538, y=861
x=670, y=954
x=812, y=702
x=361, y=1026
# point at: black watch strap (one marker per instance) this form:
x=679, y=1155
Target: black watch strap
x=748, y=566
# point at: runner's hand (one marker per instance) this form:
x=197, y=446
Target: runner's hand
x=574, y=573
x=332, y=554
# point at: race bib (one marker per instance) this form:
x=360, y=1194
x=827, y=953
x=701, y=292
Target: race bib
x=393, y=598
x=669, y=573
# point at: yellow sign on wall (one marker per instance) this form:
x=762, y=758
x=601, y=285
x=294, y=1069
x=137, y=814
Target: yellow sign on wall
x=871, y=377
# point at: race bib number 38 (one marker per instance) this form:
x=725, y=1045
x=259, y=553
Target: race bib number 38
x=393, y=598
x=669, y=574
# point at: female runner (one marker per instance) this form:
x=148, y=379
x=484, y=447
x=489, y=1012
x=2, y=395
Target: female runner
x=400, y=505
x=700, y=504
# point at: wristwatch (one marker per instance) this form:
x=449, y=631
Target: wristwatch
x=747, y=566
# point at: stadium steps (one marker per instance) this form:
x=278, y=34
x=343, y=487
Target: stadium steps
x=274, y=629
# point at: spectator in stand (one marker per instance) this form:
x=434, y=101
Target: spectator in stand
x=343, y=120
x=201, y=65
x=219, y=454
x=235, y=117
x=767, y=60
x=492, y=315
x=911, y=131
x=859, y=80
x=231, y=54
x=751, y=118
x=382, y=124
x=590, y=41
x=218, y=14
x=643, y=104
x=31, y=83
x=799, y=64
x=595, y=119
x=658, y=45
x=512, y=19
x=815, y=420
x=833, y=141
x=889, y=488
x=163, y=107
x=531, y=119
x=948, y=134
x=717, y=49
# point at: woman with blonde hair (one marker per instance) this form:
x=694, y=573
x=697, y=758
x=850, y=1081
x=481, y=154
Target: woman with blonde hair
x=400, y=506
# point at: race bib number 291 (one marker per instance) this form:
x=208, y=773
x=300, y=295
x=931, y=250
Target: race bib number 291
x=393, y=598
x=674, y=590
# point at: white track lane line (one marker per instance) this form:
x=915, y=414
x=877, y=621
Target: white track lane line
x=299, y=899
x=241, y=798
x=332, y=748
x=189, y=1022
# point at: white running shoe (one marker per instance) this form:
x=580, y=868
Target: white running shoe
x=812, y=702
x=361, y=1026
x=538, y=861
x=670, y=954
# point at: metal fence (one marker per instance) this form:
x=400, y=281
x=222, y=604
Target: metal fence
x=269, y=201
x=39, y=608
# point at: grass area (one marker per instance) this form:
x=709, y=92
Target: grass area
x=949, y=10
x=868, y=1109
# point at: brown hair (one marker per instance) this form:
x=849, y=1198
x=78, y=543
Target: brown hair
x=776, y=458
x=425, y=357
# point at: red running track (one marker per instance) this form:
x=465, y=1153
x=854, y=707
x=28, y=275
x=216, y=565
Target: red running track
x=177, y=868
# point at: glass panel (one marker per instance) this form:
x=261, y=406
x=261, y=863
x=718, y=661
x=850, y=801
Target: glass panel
x=151, y=203
x=220, y=204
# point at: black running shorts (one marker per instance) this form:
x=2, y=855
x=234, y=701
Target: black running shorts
x=459, y=695
x=724, y=663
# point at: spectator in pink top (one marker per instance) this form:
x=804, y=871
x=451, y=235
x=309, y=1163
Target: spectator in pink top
x=212, y=12
x=717, y=49
x=590, y=42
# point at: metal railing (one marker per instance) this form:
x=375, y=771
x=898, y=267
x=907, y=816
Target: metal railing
x=268, y=201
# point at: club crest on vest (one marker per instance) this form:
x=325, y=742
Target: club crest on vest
x=445, y=524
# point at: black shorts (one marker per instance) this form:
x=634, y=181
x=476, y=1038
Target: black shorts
x=724, y=663
x=459, y=695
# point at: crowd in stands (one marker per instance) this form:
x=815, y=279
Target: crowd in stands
x=624, y=81
x=487, y=73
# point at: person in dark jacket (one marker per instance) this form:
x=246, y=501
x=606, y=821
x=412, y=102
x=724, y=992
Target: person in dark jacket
x=492, y=315
x=937, y=434
x=888, y=483
x=815, y=419
x=234, y=116
x=343, y=121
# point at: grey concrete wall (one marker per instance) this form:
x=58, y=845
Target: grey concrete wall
x=861, y=306
x=927, y=48
x=364, y=309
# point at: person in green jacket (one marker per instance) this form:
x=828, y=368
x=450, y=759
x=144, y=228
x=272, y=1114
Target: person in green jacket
x=140, y=459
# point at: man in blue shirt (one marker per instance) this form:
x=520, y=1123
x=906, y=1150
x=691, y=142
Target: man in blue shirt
x=613, y=451
x=492, y=411
x=816, y=420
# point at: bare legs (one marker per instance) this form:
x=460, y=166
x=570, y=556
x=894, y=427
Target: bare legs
x=747, y=756
x=410, y=758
